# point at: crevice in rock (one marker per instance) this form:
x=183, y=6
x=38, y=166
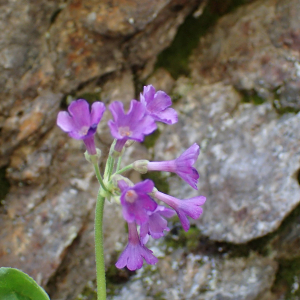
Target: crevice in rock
x=262, y=245
x=252, y=96
x=176, y=57
x=4, y=188
x=55, y=15
x=138, y=83
x=159, y=180
x=58, y=11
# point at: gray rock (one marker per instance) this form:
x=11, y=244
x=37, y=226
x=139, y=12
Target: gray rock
x=248, y=163
x=200, y=277
x=256, y=49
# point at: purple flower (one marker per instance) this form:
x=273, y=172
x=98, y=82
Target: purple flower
x=182, y=166
x=81, y=123
x=134, y=125
x=135, y=251
x=157, y=105
x=156, y=223
x=188, y=207
x=136, y=202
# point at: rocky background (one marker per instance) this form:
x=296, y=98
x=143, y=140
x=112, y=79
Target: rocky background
x=232, y=68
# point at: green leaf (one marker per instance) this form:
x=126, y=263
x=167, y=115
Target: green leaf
x=16, y=285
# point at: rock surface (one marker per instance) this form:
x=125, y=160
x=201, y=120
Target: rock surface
x=240, y=104
x=203, y=278
x=70, y=45
x=256, y=49
x=248, y=164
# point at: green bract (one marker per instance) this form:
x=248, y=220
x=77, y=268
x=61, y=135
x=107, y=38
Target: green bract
x=16, y=285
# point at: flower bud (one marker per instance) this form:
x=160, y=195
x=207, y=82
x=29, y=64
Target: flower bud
x=141, y=166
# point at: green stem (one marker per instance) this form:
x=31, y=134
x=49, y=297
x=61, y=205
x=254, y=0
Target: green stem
x=99, y=177
x=124, y=169
x=119, y=163
x=99, y=251
x=111, y=167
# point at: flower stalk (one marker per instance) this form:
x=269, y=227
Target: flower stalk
x=99, y=249
x=138, y=201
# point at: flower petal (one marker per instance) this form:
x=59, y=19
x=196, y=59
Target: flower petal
x=80, y=112
x=98, y=108
x=160, y=102
x=117, y=110
x=145, y=127
x=168, y=116
x=145, y=186
x=148, y=93
x=65, y=121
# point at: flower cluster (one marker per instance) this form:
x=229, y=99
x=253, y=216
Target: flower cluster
x=139, y=201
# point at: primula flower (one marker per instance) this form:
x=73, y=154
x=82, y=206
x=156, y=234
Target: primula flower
x=135, y=251
x=131, y=126
x=136, y=202
x=182, y=166
x=156, y=223
x=157, y=105
x=81, y=123
x=187, y=207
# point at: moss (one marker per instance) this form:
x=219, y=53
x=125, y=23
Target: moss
x=251, y=96
x=178, y=238
x=88, y=293
x=90, y=97
x=284, y=109
x=159, y=296
x=287, y=279
x=150, y=140
x=176, y=57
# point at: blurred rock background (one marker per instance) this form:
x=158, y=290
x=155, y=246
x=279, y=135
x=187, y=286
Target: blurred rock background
x=232, y=68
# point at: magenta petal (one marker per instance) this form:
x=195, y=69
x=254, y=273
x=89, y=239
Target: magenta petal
x=134, y=125
x=80, y=112
x=128, y=214
x=140, y=213
x=188, y=207
x=168, y=116
x=191, y=206
x=145, y=186
x=98, y=108
x=135, y=259
x=144, y=229
x=165, y=212
x=157, y=225
x=147, y=202
x=116, y=108
x=146, y=126
x=135, y=251
x=114, y=129
x=132, y=257
x=122, y=185
x=148, y=256
x=160, y=102
x=157, y=105
x=136, y=202
x=184, y=220
x=136, y=110
x=184, y=165
x=148, y=93
x=189, y=175
x=65, y=121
